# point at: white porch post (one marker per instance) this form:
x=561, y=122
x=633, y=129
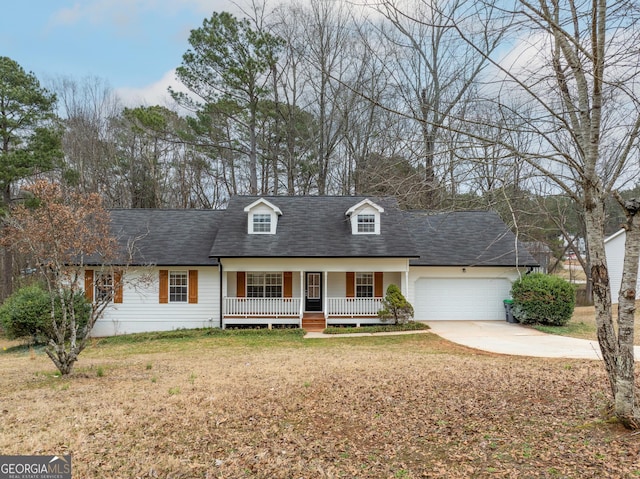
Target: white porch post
x=325, y=289
x=224, y=295
x=301, y=296
x=405, y=286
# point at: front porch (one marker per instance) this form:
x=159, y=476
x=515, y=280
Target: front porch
x=268, y=311
x=314, y=298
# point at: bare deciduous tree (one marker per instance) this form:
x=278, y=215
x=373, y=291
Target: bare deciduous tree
x=59, y=233
x=433, y=66
x=576, y=77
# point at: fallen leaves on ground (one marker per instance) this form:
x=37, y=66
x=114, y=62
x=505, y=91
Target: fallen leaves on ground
x=400, y=407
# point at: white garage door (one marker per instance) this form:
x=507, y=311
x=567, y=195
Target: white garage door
x=460, y=299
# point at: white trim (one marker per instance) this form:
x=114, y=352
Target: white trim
x=614, y=235
x=175, y=272
x=252, y=225
x=270, y=205
x=302, y=279
x=360, y=205
x=325, y=295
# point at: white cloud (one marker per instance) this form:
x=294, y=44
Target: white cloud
x=154, y=94
x=67, y=16
x=124, y=12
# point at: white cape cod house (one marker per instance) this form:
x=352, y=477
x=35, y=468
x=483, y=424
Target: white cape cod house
x=305, y=261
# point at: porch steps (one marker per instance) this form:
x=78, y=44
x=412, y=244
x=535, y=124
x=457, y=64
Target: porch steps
x=313, y=322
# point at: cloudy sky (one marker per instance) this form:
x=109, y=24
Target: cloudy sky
x=134, y=45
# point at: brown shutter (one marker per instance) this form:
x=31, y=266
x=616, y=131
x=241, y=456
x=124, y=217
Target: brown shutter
x=287, y=277
x=88, y=285
x=241, y=284
x=117, y=286
x=164, y=286
x=378, y=285
x=351, y=284
x=193, y=285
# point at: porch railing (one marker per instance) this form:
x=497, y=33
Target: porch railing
x=256, y=307
x=290, y=307
x=353, y=306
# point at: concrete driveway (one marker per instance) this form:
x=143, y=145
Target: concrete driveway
x=506, y=338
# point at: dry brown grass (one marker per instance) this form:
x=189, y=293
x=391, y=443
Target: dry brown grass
x=395, y=407
x=583, y=323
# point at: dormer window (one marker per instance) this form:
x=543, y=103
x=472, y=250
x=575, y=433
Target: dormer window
x=262, y=217
x=365, y=218
x=366, y=223
x=261, y=223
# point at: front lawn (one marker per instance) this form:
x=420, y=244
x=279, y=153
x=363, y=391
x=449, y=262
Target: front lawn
x=274, y=405
x=583, y=324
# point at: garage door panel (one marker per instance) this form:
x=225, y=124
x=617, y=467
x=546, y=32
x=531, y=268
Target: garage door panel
x=460, y=299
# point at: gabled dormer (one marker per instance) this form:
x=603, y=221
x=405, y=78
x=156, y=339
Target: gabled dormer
x=365, y=218
x=262, y=217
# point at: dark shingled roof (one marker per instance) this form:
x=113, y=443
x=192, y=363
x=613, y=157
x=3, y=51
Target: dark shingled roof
x=316, y=227
x=167, y=237
x=465, y=238
x=313, y=226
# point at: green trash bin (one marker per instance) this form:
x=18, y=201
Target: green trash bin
x=508, y=310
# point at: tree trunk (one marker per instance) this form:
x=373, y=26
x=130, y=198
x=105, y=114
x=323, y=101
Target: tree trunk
x=594, y=221
x=253, y=148
x=625, y=406
x=7, y=256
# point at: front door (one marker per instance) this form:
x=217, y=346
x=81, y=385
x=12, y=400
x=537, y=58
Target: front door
x=313, y=292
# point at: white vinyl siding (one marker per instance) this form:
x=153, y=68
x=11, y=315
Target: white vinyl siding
x=141, y=311
x=614, y=249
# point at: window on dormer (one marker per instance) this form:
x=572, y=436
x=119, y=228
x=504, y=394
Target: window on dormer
x=366, y=223
x=261, y=223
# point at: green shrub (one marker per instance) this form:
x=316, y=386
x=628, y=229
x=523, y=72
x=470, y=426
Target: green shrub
x=543, y=299
x=27, y=313
x=395, y=306
x=379, y=328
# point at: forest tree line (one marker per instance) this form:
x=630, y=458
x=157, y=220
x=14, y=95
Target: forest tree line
x=318, y=98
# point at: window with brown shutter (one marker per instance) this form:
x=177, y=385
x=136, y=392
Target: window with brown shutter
x=117, y=284
x=193, y=285
x=88, y=285
x=164, y=286
x=351, y=282
x=378, y=284
x=288, y=284
x=241, y=284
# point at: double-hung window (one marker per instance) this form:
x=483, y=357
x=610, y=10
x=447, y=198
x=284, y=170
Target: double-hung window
x=178, y=286
x=364, y=285
x=366, y=223
x=103, y=287
x=262, y=223
x=264, y=285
